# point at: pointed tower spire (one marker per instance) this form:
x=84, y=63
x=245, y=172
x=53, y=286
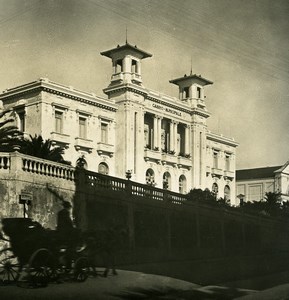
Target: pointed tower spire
x=191, y=72
x=126, y=34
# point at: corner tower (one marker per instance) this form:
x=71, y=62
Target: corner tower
x=126, y=64
x=191, y=91
x=126, y=89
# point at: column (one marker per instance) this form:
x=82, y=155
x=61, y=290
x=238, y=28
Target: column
x=155, y=132
x=171, y=135
x=113, y=67
x=138, y=67
x=176, y=136
x=187, y=142
x=126, y=64
x=159, y=132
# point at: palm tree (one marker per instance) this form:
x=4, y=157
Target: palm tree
x=10, y=136
x=38, y=147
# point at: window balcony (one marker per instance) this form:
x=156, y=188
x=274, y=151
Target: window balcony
x=60, y=139
x=169, y=159
x=81, y=143
x=153, y=155
x=136, y=78
x=106, y=149
x=184, y=162
x=217, y=172
x=117, y=77
x=229, y=174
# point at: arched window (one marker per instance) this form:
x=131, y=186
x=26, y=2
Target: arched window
x=215, y=189
x=182, y=184
x=81, y=163
x=150, y=177
x=227, y=193
x=166, y=181
x=103, y=168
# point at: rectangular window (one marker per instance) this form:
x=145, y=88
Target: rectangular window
x=59, y=121
x=133, y=66
x=186, y=92
x=199, y=92
x=227, y=162
x=255, y=193
x=215, y=160
x=104, y=133
x=82, y=127
x=21, y=116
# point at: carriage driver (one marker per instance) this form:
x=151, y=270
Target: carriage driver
x=65, y=227
x=64, y=222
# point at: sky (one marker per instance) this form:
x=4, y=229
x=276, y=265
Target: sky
x=241, y=45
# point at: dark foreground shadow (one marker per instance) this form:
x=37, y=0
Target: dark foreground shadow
x=218, y=293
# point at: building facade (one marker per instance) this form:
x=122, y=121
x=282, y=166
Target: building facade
x=253, y=184
x=162, y=140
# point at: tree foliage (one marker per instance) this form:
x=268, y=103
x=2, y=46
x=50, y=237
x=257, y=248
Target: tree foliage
x=272, y=205
x=10, y=136
x=206, y=196
x=38, y=147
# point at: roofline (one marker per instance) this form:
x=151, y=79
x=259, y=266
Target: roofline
x=193, y=76
x=222, y=139
x=277, y=168
x=108, y=53
x=46, y=85
x=160, y=98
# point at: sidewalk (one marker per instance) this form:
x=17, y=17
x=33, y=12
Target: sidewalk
x=126, y=285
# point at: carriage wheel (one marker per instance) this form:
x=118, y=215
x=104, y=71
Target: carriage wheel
x=81, y=268
x=9, y=271
x=39, y=267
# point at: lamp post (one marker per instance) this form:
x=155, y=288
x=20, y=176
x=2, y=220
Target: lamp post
x=241, y=198
x=128, y=174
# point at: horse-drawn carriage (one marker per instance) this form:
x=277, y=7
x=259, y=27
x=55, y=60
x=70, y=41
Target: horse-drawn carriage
x=36, y=256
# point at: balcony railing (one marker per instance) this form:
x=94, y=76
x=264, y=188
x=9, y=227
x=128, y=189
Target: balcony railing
x=81, y=143
x=136, y=77
x=229, y=174
x=184, y=162
x=5, y=161
x=117, y=77
x=103, y=148
x=105, y=182
x=60, y=138
x=152, y=155
x=169, y=159
x=217, y=172
x=18, y=162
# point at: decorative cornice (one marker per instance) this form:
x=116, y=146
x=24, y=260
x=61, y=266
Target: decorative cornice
x=221, y=139
x=57, y=89
x=146, y=93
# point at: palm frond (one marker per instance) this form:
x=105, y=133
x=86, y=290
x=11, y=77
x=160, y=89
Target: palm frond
x=38, y=147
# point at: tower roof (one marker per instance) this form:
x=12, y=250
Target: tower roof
x=192, y=77
x=128, y=47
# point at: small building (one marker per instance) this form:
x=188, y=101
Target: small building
x=254, y=183
x=162, y=140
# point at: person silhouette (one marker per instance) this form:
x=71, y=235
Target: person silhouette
x=64, y=221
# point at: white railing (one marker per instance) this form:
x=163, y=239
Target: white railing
x=5, y=160
x=46, y=167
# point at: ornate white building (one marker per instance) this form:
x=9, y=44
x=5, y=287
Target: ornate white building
x=163, y=140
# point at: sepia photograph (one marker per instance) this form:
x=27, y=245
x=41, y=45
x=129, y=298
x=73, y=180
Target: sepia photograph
x=144, y=149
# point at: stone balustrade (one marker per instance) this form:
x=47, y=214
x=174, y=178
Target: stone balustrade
x=5, y=161
x=47, y=168
x=16, y=161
